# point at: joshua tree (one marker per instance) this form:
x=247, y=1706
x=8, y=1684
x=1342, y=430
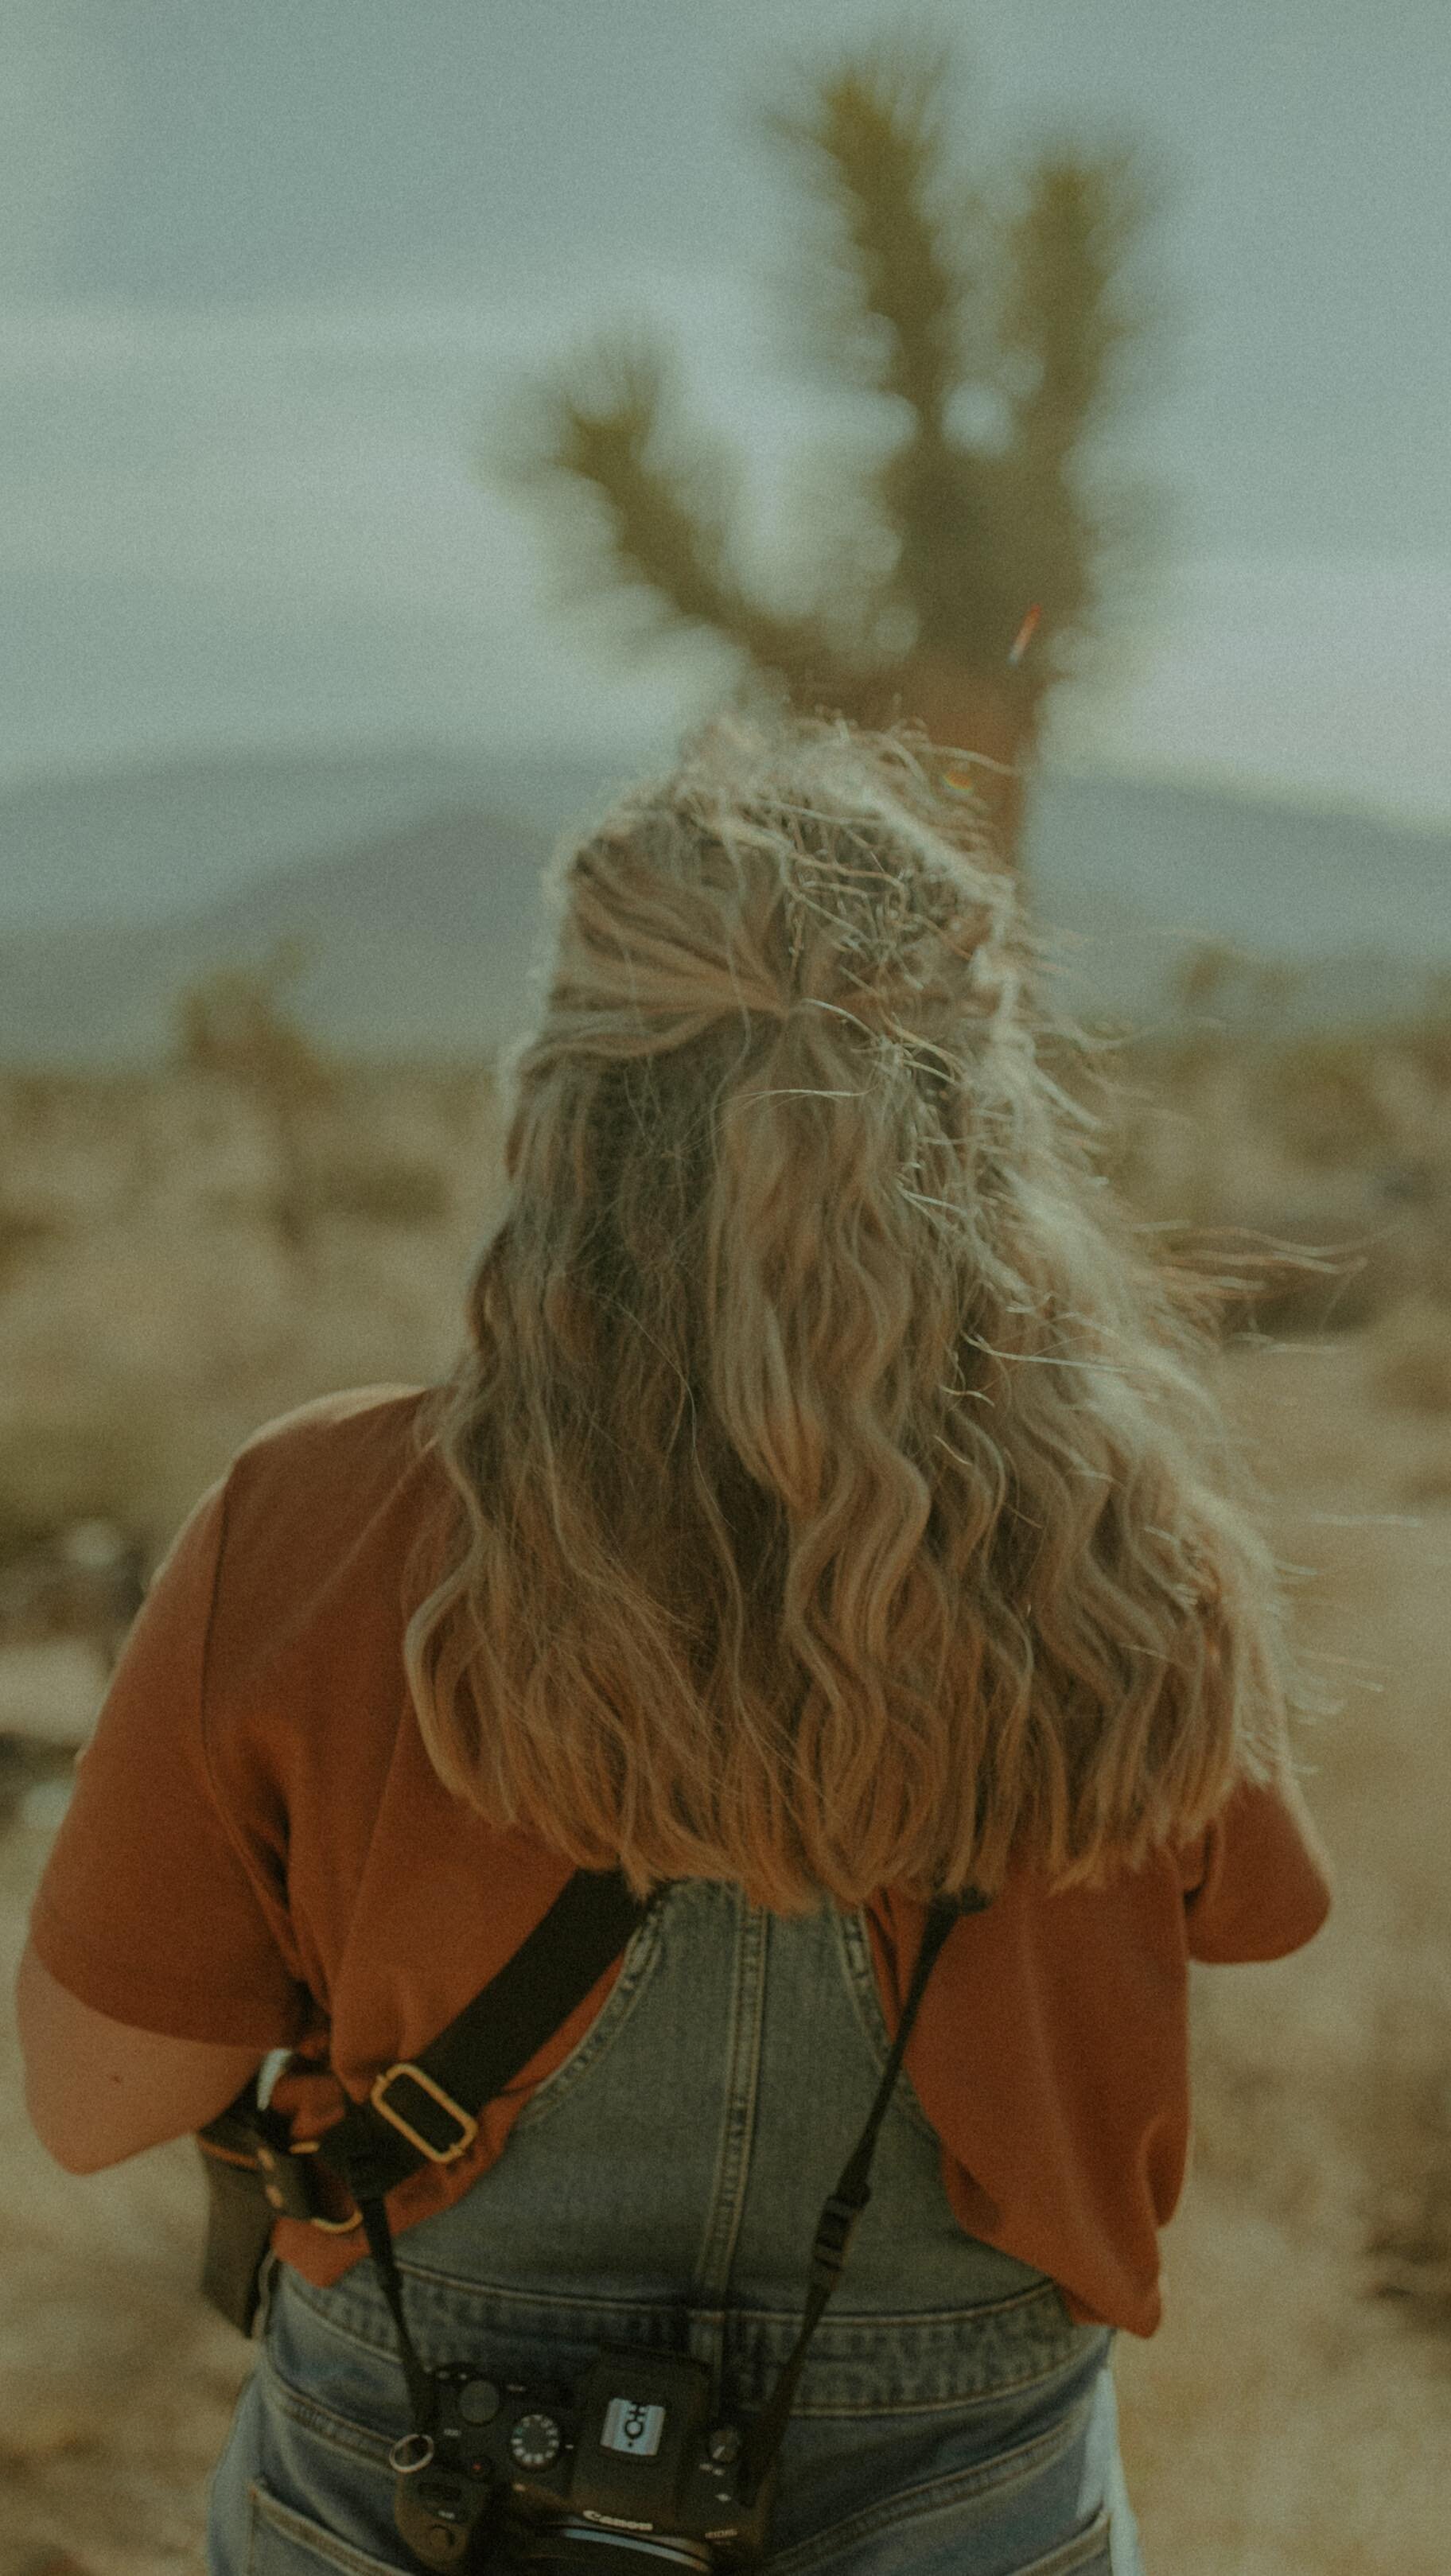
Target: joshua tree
x=1001, y=335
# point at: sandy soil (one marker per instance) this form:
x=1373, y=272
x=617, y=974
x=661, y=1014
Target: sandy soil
x=1291, y=2417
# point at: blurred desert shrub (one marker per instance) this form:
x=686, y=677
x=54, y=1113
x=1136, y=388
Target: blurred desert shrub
x=402, y=1194
x=1233, y=1141
x=234, y=1021
x=1327, y=1103
x=1215, y=970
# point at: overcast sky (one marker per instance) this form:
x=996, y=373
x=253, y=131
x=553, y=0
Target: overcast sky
x=266, y=269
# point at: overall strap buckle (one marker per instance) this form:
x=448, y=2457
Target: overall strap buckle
x=425, y=2115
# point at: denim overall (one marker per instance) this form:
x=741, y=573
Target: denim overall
x=662, y=2188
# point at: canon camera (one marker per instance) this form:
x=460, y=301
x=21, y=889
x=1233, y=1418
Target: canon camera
x=513, y=2476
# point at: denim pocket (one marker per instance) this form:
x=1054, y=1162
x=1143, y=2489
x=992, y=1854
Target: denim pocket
x=1091, y=2554
x=283, y=2542
x=1016, y=2512
x=899, y=2551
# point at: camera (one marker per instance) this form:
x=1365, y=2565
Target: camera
x=627, y=2472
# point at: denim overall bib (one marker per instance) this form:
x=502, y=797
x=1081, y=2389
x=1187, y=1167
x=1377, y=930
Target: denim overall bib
x=662, y=2188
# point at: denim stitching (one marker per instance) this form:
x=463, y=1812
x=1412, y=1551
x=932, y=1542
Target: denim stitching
x=955, y=2361
x=738, y=2119
x=342, y=2433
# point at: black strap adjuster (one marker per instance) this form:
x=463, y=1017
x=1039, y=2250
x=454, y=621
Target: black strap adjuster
x=289, y=2186
x=834, y=2235
x=423, y=2113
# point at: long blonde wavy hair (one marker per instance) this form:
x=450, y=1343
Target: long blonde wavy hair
x=836, y=1500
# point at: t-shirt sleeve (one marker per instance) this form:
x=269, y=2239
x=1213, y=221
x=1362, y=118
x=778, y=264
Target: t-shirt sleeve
x=151, y=1909
x=1258, y=1881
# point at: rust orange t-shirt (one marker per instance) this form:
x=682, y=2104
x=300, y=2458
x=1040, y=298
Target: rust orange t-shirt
x=258, y=1851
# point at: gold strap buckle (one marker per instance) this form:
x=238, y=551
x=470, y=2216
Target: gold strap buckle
x=406, y=2072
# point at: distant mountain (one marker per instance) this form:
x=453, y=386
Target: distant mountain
x=1138, y=872
x=143, y=841
x=424, y=930
x=421, y=942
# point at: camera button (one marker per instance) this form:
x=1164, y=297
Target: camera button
x=479, y=2401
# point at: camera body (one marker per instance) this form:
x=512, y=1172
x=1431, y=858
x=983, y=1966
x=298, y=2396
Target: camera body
x=527, y=2476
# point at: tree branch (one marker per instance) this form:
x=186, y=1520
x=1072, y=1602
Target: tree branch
x=602, y=430
x=872, y=140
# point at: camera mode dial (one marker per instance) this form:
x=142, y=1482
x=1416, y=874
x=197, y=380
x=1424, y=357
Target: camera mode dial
x=535, y=2441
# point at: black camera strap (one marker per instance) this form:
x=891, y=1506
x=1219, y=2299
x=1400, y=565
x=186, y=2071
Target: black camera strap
x=845, y=2205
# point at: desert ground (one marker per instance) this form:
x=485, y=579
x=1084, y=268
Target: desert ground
x=186, y=1253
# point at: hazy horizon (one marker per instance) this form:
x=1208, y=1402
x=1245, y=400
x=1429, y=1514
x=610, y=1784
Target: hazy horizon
x=117, y=847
